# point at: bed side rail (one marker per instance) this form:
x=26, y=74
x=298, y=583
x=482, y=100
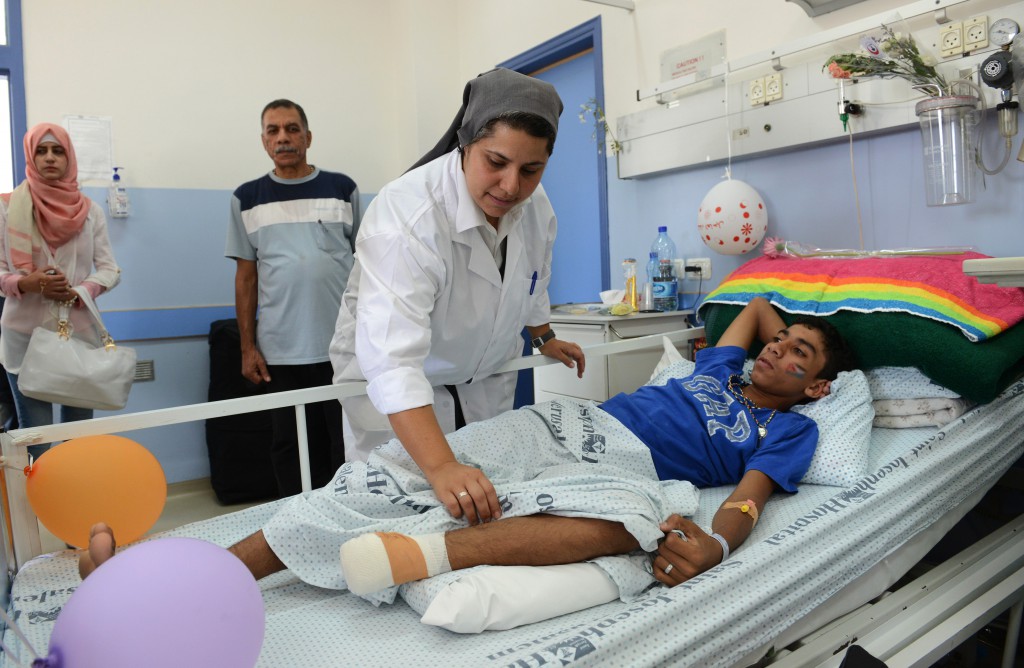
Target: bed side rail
x=928, y=618
x=21, y=529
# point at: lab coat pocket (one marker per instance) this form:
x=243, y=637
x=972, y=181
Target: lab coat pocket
x=523, y=293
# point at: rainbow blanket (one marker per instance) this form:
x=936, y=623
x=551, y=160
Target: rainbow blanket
x=931, y=286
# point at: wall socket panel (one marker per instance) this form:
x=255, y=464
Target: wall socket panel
x=951, y=39
x=773, y=87
x=704, y=263
x=755, y=91
x=975, y=33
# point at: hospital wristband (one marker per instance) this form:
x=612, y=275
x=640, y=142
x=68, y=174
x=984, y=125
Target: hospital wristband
x=725, y=545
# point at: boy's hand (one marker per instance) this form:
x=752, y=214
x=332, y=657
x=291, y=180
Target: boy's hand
x=681, y=557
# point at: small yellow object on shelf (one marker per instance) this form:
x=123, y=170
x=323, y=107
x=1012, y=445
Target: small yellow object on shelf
x=621, y=309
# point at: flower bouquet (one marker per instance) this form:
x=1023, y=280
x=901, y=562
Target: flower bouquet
x=895, y=56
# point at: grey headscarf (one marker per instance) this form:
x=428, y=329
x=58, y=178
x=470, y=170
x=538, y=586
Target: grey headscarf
x=490, y=95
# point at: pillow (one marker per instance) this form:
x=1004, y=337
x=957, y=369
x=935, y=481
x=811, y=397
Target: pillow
x=844, y=420
x=843, y=417
x=670, y=357
x=892, y=382
x=504, y=597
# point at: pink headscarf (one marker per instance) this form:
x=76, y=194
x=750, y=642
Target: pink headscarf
x=60, y=207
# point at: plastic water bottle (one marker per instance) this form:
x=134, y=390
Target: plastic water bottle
x=117, y=197
x=664, y=278
x=665, y=287
x=663, y=245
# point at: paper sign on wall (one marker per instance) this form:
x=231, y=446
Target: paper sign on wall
x=93, y=139
x=696, y=58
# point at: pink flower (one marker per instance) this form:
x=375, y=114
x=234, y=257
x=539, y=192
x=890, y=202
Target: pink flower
x=837, y=72
x=773, y=246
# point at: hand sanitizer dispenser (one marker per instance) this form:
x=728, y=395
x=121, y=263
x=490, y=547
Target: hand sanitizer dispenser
x=117, y=197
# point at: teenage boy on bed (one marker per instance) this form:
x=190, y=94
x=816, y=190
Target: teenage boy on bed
x=696, y=429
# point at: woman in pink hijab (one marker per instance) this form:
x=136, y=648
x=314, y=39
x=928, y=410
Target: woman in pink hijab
x=52, y=239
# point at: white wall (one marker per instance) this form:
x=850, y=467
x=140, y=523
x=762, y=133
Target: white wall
x=185, y=81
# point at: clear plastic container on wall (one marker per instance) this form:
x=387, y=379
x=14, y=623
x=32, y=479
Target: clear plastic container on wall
x=948, y=134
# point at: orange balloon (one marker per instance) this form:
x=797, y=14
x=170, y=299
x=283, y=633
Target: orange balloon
x=94, y=479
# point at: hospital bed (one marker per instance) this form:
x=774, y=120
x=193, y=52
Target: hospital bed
x=811, y=579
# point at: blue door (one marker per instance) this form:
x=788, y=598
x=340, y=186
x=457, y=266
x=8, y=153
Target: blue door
x=575, y=177
x=571, y=182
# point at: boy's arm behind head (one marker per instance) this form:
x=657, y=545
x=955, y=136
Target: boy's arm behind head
x=757, y=320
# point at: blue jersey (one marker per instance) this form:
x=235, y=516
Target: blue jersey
x=697, y=431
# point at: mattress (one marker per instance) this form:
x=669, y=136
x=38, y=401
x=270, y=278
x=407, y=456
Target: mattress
x=806, y=550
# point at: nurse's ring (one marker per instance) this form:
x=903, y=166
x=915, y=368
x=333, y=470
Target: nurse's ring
x=668, y=569
x=463, y=493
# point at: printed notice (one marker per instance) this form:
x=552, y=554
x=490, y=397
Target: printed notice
x=93, y=139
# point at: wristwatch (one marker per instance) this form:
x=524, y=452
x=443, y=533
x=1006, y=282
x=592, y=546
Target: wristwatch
x=543, y=338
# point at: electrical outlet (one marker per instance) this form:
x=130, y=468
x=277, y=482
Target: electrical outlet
x=773, y=87
x=975, y=33
x=951, y=39
x=755, y=91
x=704, y=263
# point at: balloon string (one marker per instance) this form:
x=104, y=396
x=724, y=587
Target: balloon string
x=25, y=469
x=10, y=623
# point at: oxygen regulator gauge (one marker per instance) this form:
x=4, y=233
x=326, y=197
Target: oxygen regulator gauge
x=997, y=70
x=1002, y=32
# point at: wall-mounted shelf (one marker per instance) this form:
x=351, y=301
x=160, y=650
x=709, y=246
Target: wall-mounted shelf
x=709, y=125
x=822, y=38
x=1007, y=272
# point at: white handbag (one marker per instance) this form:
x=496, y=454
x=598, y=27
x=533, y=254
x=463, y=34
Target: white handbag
x=70, y=371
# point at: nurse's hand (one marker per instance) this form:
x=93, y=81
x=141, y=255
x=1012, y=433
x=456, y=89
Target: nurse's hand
x=566, y=352
x=465, y=491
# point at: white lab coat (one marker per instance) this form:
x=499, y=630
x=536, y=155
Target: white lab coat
x=426, y=306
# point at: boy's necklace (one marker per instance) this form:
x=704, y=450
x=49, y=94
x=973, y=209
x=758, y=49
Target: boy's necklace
x=762, y=429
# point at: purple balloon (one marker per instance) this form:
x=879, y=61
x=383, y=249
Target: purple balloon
x=171, y=602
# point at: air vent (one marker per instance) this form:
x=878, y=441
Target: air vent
x=144, y=371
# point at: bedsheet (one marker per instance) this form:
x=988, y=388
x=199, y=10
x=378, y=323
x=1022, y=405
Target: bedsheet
x=562, y=457
x=803, y=551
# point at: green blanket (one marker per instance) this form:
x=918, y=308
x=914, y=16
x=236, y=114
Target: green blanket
x=977, y=371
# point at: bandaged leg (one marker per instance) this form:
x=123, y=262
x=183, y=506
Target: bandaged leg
x=376, y=561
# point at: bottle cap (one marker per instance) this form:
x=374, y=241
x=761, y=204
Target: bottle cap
x=662, y=228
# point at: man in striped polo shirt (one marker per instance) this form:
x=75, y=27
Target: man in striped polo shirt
x=292, y=235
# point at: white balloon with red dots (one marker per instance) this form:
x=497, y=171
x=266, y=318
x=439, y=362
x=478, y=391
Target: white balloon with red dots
x=732, y=219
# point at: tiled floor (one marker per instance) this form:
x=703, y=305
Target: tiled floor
x=187, y=501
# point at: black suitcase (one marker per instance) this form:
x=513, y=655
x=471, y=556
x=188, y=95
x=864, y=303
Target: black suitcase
x=239, y=445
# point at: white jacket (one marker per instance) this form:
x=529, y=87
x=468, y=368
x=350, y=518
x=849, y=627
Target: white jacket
x=425, y=304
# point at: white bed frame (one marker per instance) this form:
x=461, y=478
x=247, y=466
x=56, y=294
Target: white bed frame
x=911, y=627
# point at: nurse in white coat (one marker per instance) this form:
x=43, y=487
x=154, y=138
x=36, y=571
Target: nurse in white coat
x=453, y=259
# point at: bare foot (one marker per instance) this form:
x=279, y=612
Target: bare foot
x=101, y=547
